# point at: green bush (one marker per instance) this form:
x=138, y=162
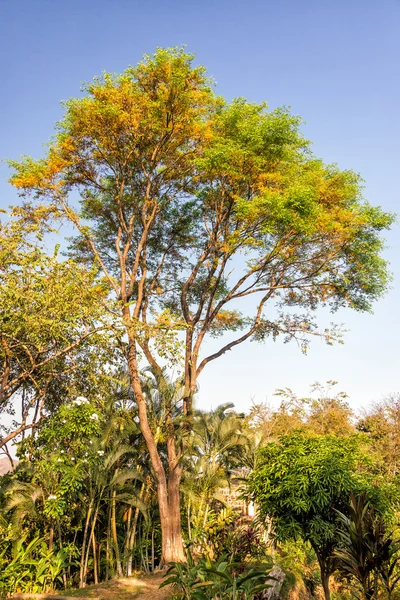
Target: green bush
x=222, y=579
x=29, y=567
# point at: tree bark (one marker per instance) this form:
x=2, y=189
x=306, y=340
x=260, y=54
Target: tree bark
x=325, y=571
x=127, y=536
x=173, y=551
x=131, y=543
x=115, y=534
x=132, y=534
x=95, y=574
x=167, y=490
x=170, y=517
x=325, y=584
x=83, y=550
x=108, y=544
x=51, y=539
x=94, y=520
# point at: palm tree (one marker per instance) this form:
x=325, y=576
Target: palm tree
x=215, y=449
x=25, y=500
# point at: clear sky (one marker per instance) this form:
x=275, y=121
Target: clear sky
x=334, y=62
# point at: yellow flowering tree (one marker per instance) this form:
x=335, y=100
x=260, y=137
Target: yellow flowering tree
x=206, y=218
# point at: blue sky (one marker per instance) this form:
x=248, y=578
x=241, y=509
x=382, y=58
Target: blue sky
x=336, y=63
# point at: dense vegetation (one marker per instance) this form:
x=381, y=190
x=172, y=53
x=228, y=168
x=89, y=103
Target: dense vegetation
x=81, y=505
x=192, y=217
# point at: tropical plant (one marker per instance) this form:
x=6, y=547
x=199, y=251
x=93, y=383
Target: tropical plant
x=298, y=560
x=30, y=567
x=214, y=449
x=76, y=473
x=368, y=553
x=187, y=579
x=221, y=579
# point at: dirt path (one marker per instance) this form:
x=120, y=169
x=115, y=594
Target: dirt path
x=127, y=588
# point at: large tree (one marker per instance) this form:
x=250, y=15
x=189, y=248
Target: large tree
x=194, y=208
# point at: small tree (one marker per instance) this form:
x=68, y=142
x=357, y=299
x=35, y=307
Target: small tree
x=49, y=325
x=381, y=423
x=300, y=483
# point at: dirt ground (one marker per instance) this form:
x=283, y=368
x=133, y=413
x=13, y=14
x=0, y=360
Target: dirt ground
x=129, y=588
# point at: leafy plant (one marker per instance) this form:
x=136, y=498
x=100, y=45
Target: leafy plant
x=218, y=580
x=32, y=568
x=368, y=552
x=298, y=483
x=187, y=579
x=298, y=560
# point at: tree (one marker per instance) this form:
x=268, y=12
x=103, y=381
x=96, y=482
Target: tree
x=49, y=324
x=290, y=416
x=218, y=435
x=322, y=413
x=330, y=414
x=300, y=481
x=381, y=423
x=217, y=445
x=193, y=207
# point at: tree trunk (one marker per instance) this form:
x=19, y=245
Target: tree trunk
x=115, y=535
x=85, y=568
x=64, y=575
x=188, y=521
x=206, y=513
x=127, y=536
x=325, y=568
x=131, y=543
x=170, y=517
x=51, y=540
x=167, y=492
x=132, y=534
x=152, y=549
x=108, y=544
x=325, y=584
x=95, y=574
x=83, y=550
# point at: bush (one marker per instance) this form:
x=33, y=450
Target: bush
x=222, y=579
x=29, y=567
